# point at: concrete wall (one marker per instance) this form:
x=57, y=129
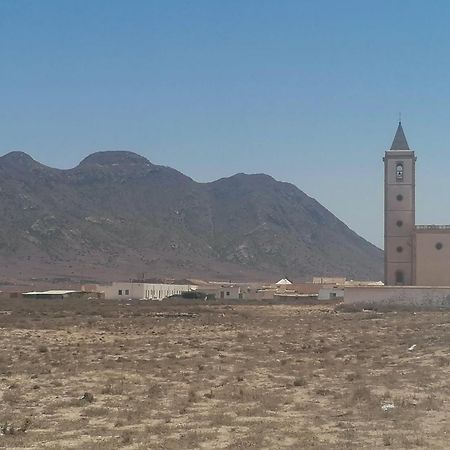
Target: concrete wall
x=398, y=295
x=328, y=280
x=330, y=293
x=432, y=261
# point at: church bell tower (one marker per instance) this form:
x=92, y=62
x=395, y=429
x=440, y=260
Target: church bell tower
x=399, y=211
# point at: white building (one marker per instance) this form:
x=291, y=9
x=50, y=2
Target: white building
x=331, y=293
x=222, y=291
x=142, y=291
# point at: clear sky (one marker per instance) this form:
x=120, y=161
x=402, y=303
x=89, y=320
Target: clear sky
x=306, y=91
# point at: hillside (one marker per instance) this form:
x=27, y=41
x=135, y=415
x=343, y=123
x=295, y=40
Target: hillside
x=117, y=215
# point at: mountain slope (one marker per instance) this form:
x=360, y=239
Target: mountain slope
x=116, y=215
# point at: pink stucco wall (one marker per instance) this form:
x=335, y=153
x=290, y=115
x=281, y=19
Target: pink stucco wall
x=398, y=295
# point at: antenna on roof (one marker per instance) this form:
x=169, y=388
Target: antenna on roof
x=399, y=117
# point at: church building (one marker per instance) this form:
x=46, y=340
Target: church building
x=414, y=255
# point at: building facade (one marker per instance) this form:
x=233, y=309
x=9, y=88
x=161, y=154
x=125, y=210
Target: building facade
x=140, y=291
x=413, y=254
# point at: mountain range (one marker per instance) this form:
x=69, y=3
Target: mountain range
x=117, y=216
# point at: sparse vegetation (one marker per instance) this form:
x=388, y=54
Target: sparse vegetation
x=299, y=381
x=247, y=376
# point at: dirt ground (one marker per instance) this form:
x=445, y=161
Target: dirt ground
x=186, y=375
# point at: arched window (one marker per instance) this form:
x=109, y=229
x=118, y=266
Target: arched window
x=399, y=277
x=399, y=172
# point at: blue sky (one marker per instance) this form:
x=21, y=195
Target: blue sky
x=306, y=91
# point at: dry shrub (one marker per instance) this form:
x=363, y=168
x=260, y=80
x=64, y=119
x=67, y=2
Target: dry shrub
x=155, y=391
x=388, y=440
x=300, y=382
x=126, y=438
x=192, y=396
x=348, y=308
x=360, y=394
x=191, y=439
x=7, y=428
x=353, y=376
x=220, y=418
x=95, y=411
x=113, y=387
x=411, y=440
x=242, y=336
x=11, y=397
x=431, y=403
x=271, y=402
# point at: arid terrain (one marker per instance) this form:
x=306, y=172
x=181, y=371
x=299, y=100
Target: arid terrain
x=117, y=215
x=173, y=375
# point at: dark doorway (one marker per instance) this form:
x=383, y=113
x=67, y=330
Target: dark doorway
x=399, y=277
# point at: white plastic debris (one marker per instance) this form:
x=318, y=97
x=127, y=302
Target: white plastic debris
x=387, y=406
x=410, y=349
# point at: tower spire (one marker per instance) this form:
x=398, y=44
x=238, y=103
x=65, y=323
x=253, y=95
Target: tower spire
x=400, y=142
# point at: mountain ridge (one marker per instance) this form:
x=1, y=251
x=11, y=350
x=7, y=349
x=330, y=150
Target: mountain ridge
x=117, y=214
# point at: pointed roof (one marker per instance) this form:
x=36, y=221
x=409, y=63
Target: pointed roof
x=400, y=142
x=283, y=281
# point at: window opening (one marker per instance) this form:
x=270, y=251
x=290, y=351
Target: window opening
x=399, y=172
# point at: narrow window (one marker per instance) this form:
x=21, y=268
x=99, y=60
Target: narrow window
x=228, y=293
x=127, y=292
x=399, y=172
x=120, y=291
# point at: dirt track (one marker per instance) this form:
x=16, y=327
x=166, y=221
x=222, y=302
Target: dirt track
x=221, y=376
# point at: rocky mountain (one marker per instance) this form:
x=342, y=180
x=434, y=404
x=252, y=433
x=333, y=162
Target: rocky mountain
x=117, y=215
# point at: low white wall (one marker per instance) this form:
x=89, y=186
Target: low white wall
x=422, y=296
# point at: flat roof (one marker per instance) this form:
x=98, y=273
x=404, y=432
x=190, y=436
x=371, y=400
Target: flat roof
x=51, y=292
